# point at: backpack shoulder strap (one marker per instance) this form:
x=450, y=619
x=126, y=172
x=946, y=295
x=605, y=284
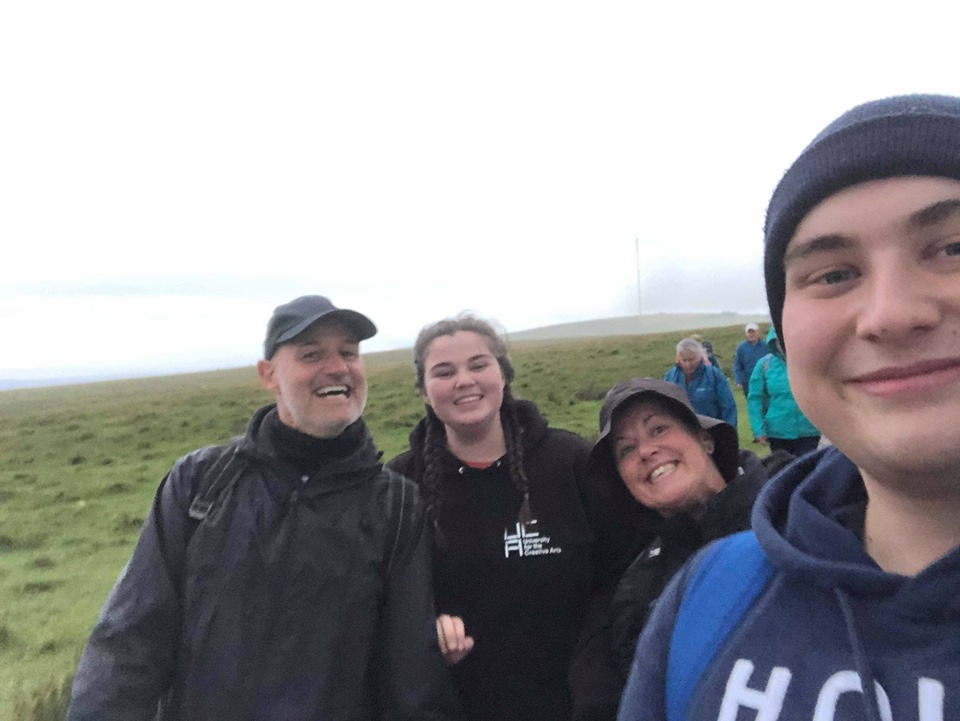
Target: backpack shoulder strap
x=222, y=473
x=402, y=527
x=724, y=586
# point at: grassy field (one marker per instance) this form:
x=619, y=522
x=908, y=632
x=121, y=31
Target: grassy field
x=79, y=466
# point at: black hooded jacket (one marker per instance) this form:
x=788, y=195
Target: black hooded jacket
x=288, y=602
x=606, y=648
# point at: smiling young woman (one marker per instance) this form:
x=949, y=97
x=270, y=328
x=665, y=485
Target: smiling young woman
x=522, y=539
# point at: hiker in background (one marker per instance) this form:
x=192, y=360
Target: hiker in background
x=690, y=470
x=520, y=531
x=709, y=357
x=843, y=601
x=283, y=576
x=746, y=356
x=706, y=385
x=774, y=415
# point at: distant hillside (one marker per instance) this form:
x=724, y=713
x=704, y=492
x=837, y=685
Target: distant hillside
x=13, y=383
x=635, y=325
x=599, y=328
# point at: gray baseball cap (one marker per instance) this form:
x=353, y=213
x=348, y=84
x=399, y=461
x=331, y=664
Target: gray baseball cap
x=291, y=319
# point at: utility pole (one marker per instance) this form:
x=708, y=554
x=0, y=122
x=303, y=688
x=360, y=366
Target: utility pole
x=639, y=295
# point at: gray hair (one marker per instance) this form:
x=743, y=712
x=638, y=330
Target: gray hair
x=691, y=346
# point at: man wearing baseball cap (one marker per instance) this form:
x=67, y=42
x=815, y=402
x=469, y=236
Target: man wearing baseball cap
x=849, y=602
x=748, y=353
x=284, y=575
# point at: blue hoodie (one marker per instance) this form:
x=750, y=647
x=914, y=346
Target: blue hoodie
x=827, y=619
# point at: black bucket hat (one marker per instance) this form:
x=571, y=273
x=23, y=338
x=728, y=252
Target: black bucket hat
x=291, y=319
x=726, y=444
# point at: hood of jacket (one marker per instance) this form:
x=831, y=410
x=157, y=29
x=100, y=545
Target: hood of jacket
x=729, y=510
x=359, y=466
x=802, y=519
x=773, y=344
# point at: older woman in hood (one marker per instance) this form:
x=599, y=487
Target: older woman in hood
x=688, y=469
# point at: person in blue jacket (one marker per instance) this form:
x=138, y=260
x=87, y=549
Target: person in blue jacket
x=746, y=356
x=774, y=415
x=858, y=617
x=706, y=385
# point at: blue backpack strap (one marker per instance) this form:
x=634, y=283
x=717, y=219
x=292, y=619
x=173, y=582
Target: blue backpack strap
x=726, y=583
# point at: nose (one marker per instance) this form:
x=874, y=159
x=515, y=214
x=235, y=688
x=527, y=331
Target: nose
x=464, y=378
x=335, y=365
x=899, y=303
x=647, y=449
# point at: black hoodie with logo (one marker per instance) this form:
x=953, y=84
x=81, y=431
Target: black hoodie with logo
x=522, y=591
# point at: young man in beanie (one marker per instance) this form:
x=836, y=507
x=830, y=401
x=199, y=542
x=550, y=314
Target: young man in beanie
x=847, y=605
x=283, y=576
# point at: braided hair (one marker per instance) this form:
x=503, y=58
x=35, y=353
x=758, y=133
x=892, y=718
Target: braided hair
x=430, y=469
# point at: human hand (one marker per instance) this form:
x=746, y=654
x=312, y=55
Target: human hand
x=762, y=440
x=452, y=638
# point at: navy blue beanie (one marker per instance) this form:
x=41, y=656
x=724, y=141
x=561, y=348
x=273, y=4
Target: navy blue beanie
x=905, y=135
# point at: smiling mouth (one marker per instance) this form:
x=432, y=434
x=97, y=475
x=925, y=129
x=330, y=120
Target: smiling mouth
x=661, y=471
x=330, y=391
x=467, y=399
x=889, y=374
x=929, y=375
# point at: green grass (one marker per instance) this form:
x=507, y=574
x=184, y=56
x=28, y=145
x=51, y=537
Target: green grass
x=79, y=466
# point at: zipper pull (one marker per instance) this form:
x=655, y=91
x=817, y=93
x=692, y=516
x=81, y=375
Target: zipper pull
x=295, y=496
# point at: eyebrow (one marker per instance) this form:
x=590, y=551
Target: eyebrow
x=645, y=420
x=471, y=359
x=818, y=244
x=924, y=218
x=934, y=214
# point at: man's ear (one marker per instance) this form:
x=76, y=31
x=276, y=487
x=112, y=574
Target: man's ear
x=265, y=372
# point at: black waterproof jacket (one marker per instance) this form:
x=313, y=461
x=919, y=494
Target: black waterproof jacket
x=605, y=650
x=293, y=600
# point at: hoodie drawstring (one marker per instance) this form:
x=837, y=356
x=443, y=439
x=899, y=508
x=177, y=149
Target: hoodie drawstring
x=867, y=679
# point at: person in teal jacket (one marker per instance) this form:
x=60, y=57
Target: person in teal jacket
x=706, y=385
x=775, y=416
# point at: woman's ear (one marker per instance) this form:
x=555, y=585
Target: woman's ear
x=706, y=440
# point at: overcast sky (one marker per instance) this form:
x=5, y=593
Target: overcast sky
x=169, y=172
